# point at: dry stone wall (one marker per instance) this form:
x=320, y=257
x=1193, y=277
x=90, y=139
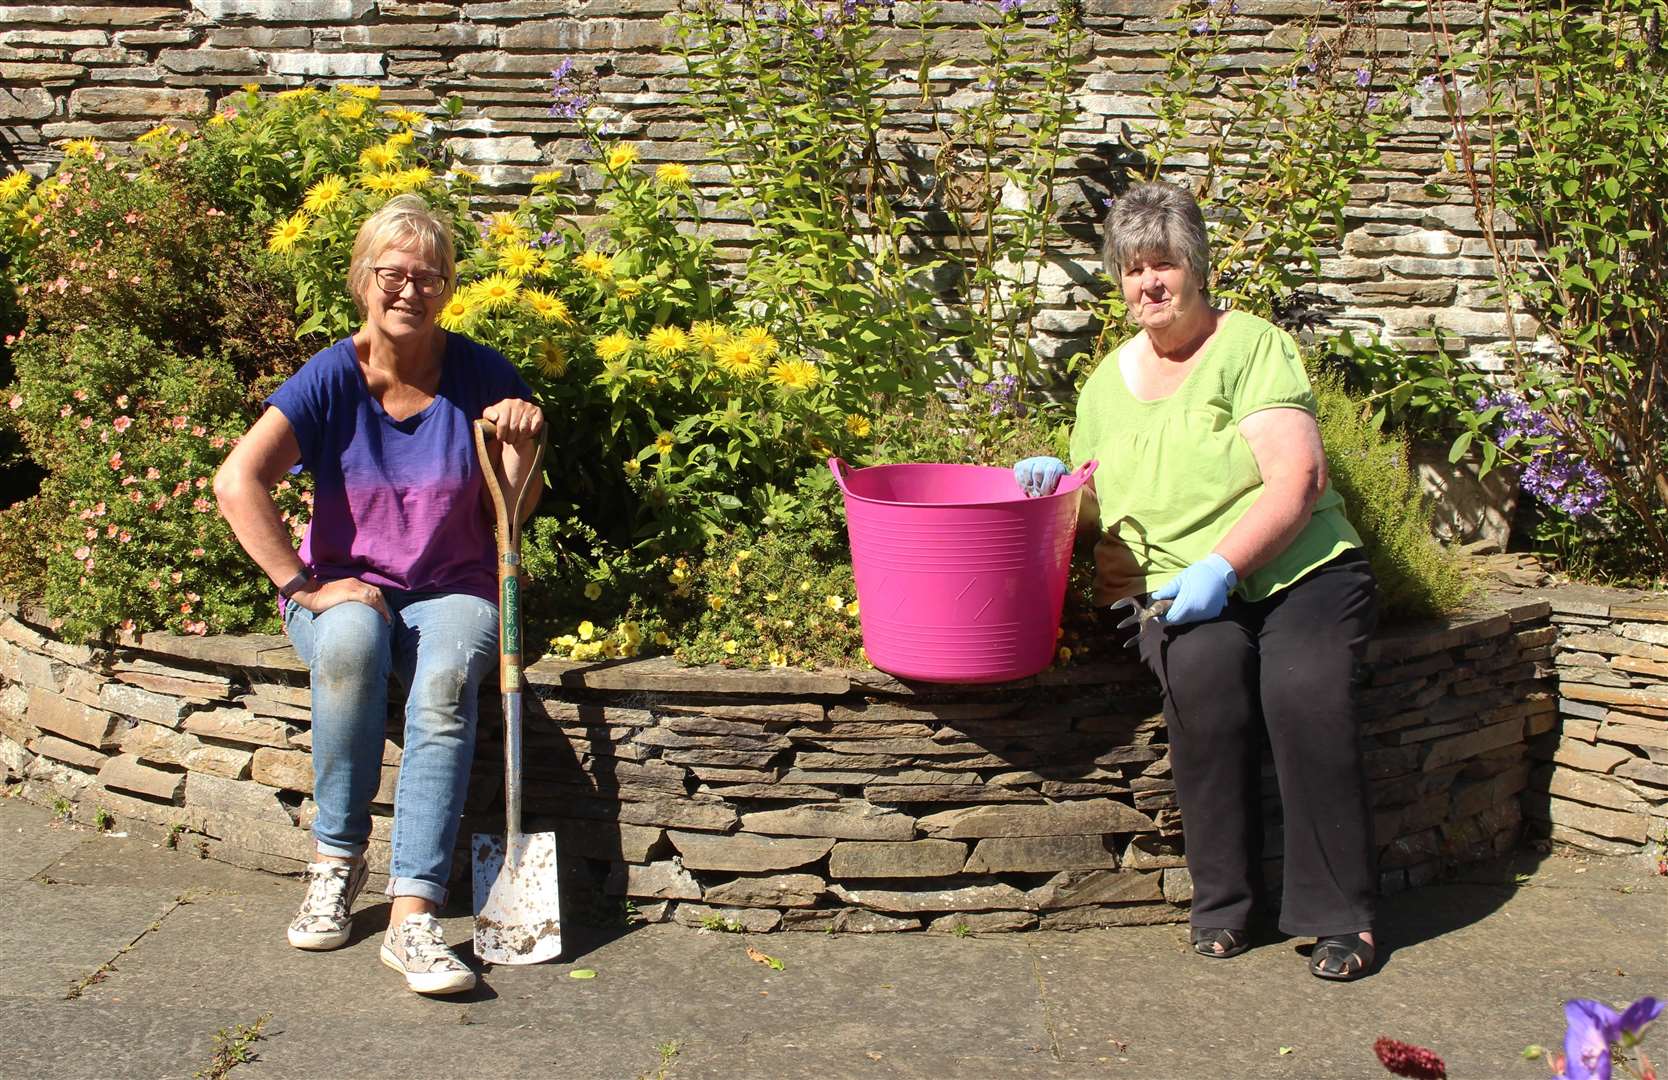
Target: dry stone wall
x=789, y=799
x=1411, y=262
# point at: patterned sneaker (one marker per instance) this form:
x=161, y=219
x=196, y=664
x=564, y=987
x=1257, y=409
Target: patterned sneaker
x=416, y=949
x=322, y=922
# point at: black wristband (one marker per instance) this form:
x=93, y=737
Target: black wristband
x=296, y=583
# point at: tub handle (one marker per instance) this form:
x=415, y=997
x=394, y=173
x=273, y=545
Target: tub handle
x=1086, y=471
x=839, y=469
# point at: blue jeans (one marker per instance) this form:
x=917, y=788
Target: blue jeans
x=441, y=645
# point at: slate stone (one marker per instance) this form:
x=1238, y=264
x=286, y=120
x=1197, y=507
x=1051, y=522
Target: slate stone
x=949, y=896
x=913, y=858
x=666, y=880
x=848, y=820
x=778, y=890
x=744, y=853
x=1002, y=854
x=1051, y=819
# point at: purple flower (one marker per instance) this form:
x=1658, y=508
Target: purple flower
x=1594, y=1028
x=563, y=70
x=1363, y=77
x=1010, y=7
x=1428, y=83
x=1048, y=20
x=570, y=103
x=1293, y=82
x=1200, y=26
x=1555, y=474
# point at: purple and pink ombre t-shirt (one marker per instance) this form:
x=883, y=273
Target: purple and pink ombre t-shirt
x=398, y=503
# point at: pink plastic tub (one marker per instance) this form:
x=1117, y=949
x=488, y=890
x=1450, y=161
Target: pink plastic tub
x=960, y=577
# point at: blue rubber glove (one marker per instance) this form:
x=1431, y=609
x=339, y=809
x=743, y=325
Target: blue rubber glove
x=1038, y=476
x=1200, y=592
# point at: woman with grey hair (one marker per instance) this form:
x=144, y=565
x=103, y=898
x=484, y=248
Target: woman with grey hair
x=1213, y=496
x=394, y=577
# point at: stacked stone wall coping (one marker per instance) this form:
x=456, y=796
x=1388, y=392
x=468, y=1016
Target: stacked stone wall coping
x=788, y=799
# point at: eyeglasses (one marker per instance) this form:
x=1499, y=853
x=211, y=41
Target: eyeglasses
x=392, y=280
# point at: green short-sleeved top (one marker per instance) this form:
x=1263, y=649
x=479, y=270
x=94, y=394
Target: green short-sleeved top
x=1176, y=474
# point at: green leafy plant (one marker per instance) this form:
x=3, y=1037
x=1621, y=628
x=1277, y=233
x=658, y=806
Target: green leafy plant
x=233, y=1046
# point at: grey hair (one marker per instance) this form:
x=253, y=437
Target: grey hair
x=1157, y=219
x=407, y=223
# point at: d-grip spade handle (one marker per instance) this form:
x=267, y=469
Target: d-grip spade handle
x=508, y=533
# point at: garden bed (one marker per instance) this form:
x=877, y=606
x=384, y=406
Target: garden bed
x=830, y=799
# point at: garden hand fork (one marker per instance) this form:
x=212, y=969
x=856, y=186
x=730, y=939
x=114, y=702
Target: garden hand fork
x=1139, y=616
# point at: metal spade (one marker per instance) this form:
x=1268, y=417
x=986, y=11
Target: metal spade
x=518, y=916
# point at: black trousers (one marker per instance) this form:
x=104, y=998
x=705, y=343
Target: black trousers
x=1285, y=664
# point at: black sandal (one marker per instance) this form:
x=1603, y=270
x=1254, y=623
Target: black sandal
x=1341, y=957
x=1219, y=943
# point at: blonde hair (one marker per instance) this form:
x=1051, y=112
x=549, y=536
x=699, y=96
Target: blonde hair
x=405, y=222
x=1157, y=219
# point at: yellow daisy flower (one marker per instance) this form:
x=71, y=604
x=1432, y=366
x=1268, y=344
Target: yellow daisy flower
x=458, y=313
x=672, y=174
x=667, y=341
x=834, y=602
x=463, y=176
x=14, y=185
x=286, y=233
x=628, y=289
x=587, y=630
x=408, y=117
x=858, y=425
x=661, y=638
x=368, y=93
x=736, y=358
x=795, y=375
x=596, y=264
x=324, y=194
x=297, y=93
x=715, y=601
x=621, y=156
x=382, y=183
x=376, y=157
x=160, y=131
x=350, y=110
x=505, y=229
x=614, y=346
x=552, y=359
x=851, y=608
x=520, y=260
x=548, y=178
x=759, y=339
x=731, y=646
x=80, y=148
x=593, y=591
x=777, y=659
x=495, y=292
x=547, y=307
x=664, y=442
x=412, y=179
x=398, y=141
x=709, y=335
x=632, y=467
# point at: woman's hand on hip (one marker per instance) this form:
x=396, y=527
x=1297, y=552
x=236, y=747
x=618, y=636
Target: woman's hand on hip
x=1200, y=592
x=517, y=420
x=319, y=597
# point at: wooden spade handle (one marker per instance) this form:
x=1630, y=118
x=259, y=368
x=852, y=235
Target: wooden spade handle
x=508, y=533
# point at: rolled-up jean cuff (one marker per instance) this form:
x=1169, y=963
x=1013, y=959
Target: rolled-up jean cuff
x=337, y=851
x=423, y=890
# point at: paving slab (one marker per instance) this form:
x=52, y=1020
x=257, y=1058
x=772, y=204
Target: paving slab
x=53, y=936
x=79, y=1040
x=33, y=838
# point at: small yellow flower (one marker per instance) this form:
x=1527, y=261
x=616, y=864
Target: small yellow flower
x=614, y=346
x=716, y=602
x=552, y=359
x=463, y=176
x=593, y=591
x=736, y=358
x=383, y=183
x=760, y=340
x=628, y=289
x=672, y=174
x=834, y=602
x=492, y=293
x=324, y=194
x=661, y=638
x=615, y=371
x=349, y=110
x=633, y=467
x=80, y=148
x=664, y=341
x=219, y=119
x=548, y=178
x=505, y=229
x=14, y=185
x=368, y=93
x=412, y=179
x=547, y=307
x=587, y=630
x=804, y=586
x=160, y=131
x=596, y=264
x=664, y=442
x=771, y=598
x=851, y=608
x=520, y=260
x=709, y=335
x=621, y=156
x=375, y=158
x=296, y=94
x=566, y=641
x=458, y=313
x=731, y=646
x=794, y=375
x=286, y=233
x=858, y=425
x=777, y=659
x=398, y=142
x=407, y=117
x=1064, y=655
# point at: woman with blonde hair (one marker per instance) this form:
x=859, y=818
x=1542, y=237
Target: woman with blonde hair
x=394, y=577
